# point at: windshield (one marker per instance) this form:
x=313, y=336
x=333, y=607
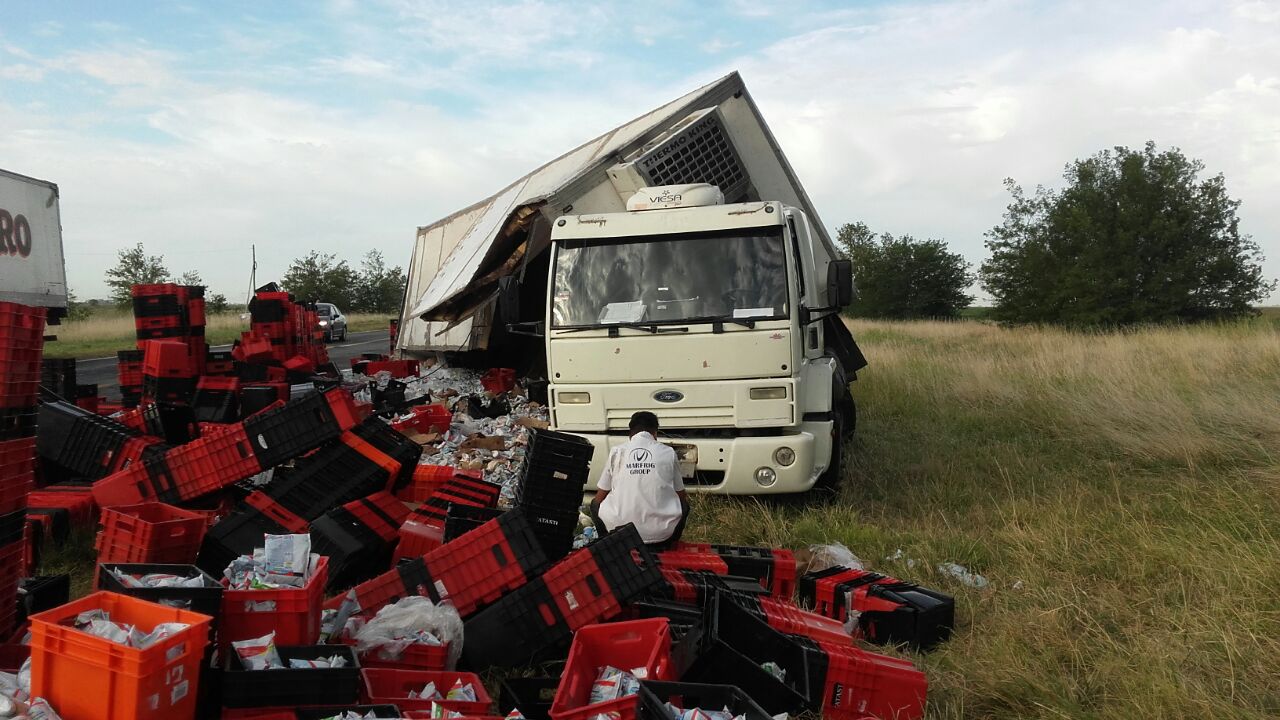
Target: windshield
x=671, y=278
x=324, y=310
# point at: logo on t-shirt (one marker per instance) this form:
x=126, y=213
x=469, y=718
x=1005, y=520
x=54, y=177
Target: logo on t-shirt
x=640, y=462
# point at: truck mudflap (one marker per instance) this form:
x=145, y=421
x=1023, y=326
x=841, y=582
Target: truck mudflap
x=843, y=346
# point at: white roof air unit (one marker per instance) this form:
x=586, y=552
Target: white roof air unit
x=697, y=149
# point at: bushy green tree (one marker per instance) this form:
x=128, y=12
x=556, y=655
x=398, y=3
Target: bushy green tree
x=134, y=267
x=217, y=303
x=322, y=278
x=1135, y=236
x=903, y=277
x=381, y=288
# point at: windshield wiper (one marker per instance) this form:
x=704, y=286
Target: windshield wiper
x=612, y=327
x=719, y=320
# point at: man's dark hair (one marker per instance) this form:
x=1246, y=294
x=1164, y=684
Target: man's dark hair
x=644, y=421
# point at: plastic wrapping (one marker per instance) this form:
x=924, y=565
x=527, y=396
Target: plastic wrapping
x=259, y=653
x=831, y=555
x=411, y=620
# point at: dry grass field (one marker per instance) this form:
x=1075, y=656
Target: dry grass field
x=107, y=331
x=1121, y=493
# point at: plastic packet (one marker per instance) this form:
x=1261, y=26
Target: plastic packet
x=832, y=555
x=11, y=687
x=440, y=711
x=459, y=691
x=258, y=653
x=515, y=714
x=287, y=554
x=429, y=692
x=333, y=662
x=775, y=670
x=611, y=684
x=39, y=709
x=409, y=621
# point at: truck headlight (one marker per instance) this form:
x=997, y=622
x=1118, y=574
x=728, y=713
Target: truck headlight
x=765, y=476
x=784, y=456
x=769, y=393
x=573, y=398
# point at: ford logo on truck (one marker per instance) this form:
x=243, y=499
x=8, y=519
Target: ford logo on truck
x=668, y=396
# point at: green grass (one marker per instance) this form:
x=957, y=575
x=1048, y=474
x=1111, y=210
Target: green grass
x=109, y=330
x=1121, y=493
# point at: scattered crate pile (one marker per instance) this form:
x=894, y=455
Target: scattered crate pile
x=184, y=495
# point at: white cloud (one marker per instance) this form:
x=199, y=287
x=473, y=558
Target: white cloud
x=22, y=72
x=907, y=117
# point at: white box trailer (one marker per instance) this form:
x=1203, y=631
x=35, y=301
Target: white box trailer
x=673, y=265
x=32, y=269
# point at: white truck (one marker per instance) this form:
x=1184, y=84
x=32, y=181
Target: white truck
x=712, y=317
x=31, y=263
x=674, y=264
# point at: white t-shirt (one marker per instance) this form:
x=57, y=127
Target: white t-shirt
x=642, y=477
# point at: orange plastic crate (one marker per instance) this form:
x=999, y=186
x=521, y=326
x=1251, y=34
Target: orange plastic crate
x=84, y=676
x=150, y=532
x=426, y=480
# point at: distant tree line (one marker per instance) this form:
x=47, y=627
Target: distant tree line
x=373, y=288
x=1136, y=236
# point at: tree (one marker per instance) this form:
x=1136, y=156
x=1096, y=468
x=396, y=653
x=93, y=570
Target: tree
x=381, y=288
x=1135, y=236
x=322, y=278
x=190, y=277
x=77, y=310
x=134, y=267
x=903, y=277
x=217, y=303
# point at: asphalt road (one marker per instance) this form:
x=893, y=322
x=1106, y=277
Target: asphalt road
x=103, y=370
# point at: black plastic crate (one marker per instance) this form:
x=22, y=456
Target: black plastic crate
x=654, y=697
x=215, y=406
x=289, y=431
x=173, y=390
x=627, y=565
x=243, y=688
x=78, y=440
x=159, y=306
x=532, y=696
x=731, y=649
x=334, y=476
x=235, y=535
x=461, y=519
x=356, y=553
x=206, y=600
x=923, y=617
x=394, y=443
x=43, y=592
x=522, y=628
x=59, y=376
x=254, y=398
x=321, y=713
x=269, y=310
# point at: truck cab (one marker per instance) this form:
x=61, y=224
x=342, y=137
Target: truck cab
x=714, y=317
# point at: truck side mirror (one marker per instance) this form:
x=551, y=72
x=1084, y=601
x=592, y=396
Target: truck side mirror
x=840, y=283
x=509, y=300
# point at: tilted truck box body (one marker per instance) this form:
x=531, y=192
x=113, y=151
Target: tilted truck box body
x=32, y=271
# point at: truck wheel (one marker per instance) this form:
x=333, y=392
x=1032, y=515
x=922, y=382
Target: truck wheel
x=828, y=484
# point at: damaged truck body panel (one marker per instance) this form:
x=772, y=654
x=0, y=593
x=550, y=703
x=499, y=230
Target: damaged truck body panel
x=674, y=264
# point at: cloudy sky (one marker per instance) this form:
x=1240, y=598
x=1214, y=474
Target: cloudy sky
x=201, y=130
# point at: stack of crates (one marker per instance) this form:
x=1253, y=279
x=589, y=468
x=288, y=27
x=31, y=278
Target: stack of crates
x=550, y=487
x=21, y=348
x=129, y=376
x=165, y=311
x=168, y=375
x=58, y=376
x=589, y=586
x=889, y=611
x=217, y=399
x=775, y=568
x=84, y=443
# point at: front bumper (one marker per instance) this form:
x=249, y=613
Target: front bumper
x=738, y=459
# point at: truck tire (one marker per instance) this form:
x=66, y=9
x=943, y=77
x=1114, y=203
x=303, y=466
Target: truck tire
x=844, y=419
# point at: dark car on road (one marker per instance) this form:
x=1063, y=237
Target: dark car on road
x=332, y=322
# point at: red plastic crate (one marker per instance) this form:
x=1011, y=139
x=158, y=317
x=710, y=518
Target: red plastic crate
x=790, y=619
x=150, y=533
x=681, y=589
x=861, y=684
x=642, y=647
x=84, y=676
x=195, y=312
x=212, y=462
x=580, y=590
x=499, y=380
x=389, y=465
x=381, y=512
x=384, y=686
x=426, y=418
x=690, y=560
x=77, y=500
x=281, y=515
x=479, y=567
x=426, y=480
x=418, y=538
x=406, y=579
x=343, y=407
x=414, y=657
x=292, y=613
x=166, y=359
x=397, y=368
